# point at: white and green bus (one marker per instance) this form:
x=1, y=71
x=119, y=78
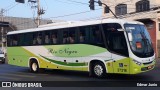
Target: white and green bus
x=98, y=47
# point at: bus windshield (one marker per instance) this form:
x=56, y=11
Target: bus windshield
x=140, y=41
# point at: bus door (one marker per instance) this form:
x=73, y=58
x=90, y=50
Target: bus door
x=118, y=47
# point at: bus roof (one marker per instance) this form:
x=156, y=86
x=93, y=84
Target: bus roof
x=62, y=25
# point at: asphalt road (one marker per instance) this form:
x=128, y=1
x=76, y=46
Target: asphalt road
x=14, y=73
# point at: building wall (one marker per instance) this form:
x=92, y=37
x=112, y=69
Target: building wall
x=152, y=31
x=131, y=5
x=23, y=23
x=19, y=23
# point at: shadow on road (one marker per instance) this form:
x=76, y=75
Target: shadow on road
x=83, y=75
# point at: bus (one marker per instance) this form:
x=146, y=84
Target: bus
x=98, y=47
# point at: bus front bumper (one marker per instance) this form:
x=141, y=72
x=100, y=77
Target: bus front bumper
x=135, y=69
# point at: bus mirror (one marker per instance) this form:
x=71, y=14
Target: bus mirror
x=130, y=37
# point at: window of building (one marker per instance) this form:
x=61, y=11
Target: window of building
x=121, y=9
x=143, y=5
x=159, y=26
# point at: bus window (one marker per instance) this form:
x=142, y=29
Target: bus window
x=96, y=35
x=115, y=39
x=65, y=37
x=83, y=35
x=9, y=40
x=15, y=40
x=117, y=43
x=28, y=39
x=37, y=38
x=47, y=37
x=54, y=37
x=71, y=37
x=34, y=40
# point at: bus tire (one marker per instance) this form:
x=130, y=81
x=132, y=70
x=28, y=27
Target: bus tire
x=98, y=70
x=34, y=67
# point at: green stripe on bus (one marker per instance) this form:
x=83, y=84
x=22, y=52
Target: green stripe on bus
x=64, y=63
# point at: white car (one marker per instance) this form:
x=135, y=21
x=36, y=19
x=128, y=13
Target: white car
x=2, y=57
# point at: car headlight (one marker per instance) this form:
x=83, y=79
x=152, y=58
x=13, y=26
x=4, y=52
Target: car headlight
x=137, y=62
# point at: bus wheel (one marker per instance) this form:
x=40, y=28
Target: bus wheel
x=34, y=66
x=99, y=70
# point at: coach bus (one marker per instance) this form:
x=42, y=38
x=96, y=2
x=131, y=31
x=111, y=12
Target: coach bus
x=98, y=47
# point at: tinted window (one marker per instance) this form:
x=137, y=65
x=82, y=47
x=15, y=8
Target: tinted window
x=14, y=40
x=28, y=39
x=83, y=35
x=47, y=37
x=115, y=39
x=37, y=38
x=54, y=37
x=96, y=35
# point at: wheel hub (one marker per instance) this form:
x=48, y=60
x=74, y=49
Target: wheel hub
x=34, y=66
x=98, y=70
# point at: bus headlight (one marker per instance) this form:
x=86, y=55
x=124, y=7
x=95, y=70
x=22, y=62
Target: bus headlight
x=137, y=62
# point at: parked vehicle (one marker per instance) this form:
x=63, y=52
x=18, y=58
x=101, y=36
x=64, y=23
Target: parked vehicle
x=2, y=57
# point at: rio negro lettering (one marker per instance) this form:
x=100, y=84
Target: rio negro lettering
x=62, y=51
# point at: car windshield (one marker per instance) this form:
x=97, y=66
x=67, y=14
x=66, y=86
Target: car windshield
x=140, y=44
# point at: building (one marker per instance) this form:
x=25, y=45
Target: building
x=146, y=11
x=19, y=23
x=23, y=23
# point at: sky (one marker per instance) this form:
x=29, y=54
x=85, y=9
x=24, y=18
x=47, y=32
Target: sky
x=54, y=9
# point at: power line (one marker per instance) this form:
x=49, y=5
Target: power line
x=78, y=2
x=75, y=13
x=10, y=7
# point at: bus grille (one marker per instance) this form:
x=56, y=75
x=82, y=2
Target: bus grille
x=147, y=63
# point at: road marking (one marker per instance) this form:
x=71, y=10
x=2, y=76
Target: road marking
x=10, y=74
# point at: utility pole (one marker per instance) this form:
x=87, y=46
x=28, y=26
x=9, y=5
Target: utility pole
x=38, y=13
x=39, y=10
x=2, y=30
